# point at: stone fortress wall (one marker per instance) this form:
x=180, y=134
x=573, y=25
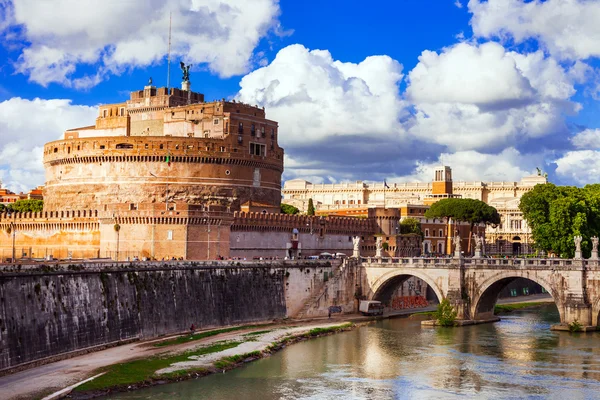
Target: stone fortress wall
x=182, y=231
x=49, y=310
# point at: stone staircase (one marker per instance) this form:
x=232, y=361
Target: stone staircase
x=313, y=299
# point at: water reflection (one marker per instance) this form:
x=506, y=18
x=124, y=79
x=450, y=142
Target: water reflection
x=518, y=357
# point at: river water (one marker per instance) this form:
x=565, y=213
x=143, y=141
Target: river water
x=518, y=357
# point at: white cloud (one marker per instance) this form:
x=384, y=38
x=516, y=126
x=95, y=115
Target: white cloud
x=569, y=29
x=508, y=165
x=26, y=125
x=458, y=4
x=314, y=97
x=579, y=166
x=587, y=139
x=65, y=34
x=481, y=97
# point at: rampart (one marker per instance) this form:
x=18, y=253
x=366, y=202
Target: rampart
x=53, y=309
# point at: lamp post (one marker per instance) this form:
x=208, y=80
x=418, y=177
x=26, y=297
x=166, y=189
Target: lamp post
x=13, y=233
x=207, y=220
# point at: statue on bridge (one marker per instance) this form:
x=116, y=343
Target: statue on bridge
x=356, y=247
x=594, y=255
x=478, y=246
x=456, y=242
x=577, y=240
x=378, y=246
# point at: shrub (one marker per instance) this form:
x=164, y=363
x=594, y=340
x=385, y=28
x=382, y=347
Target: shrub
x=445, y=314
x=575, y=326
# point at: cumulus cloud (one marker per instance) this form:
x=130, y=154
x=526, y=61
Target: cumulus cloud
x=508, y=165
x=315, y=97
x=63, y=35
x=569, y=29
x=579, y=166
x=26, y=125
x=587, y=139
x=481, y=97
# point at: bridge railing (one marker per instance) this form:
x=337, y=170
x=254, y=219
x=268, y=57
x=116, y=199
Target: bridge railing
x=507, y=262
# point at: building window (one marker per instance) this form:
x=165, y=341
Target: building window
x=257, y=149
x=223, y=149
x=104, y=113
x=272, y=133
x=161, y=146
x=216, y=121
x=262, y=131
x=122, y=112
x=132, y=207
x=441, y=233
x=241, y=128
x=427, y=232
x=169, y=235
x=252, y=130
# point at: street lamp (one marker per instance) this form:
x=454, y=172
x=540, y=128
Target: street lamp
x=207, y=220
x=12, y=231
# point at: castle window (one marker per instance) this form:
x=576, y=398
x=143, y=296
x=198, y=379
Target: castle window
x=122, y=111
x=176, y=147
x=104, y=113
x=441, y=233
x=190, y=147
x=426, y=232
x=146, y=146
x=124, y=146
x=272, y=133
x=262, y=131
x=56, y=149
x=223, y=149
x=169, y=235
x=102, y=147
x=161, y=146
x=132, y=207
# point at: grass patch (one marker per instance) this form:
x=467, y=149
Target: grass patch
x=426, y=313
x=322, y=331
x=143, y=370
x=506, y=308
x=229, y=362
x=202, y=335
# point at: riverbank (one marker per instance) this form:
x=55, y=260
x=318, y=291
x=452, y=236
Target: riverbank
x=204, y=360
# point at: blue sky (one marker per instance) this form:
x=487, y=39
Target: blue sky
x=383, y=91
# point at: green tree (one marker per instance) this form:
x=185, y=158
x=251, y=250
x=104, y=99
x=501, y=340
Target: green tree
x=2, y=208
x=556, y=214
x=311, y=207
x=27, y=206
x=464, y=210
x=289, y=209
x=410, y=225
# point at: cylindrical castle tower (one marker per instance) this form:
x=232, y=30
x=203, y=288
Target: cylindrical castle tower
x=166, y=146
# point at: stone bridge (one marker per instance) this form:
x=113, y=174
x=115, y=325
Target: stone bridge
x=473, y=285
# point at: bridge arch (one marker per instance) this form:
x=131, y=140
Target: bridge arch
x=482, y=304
x=398, y=275
x=596, y=312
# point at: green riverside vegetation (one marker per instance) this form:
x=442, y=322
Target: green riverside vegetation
x=500, y=308
x=143, y=370
x=202, y=335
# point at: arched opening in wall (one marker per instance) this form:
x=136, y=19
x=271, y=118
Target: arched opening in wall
x=498, y=297
x=516, y=246
x=406, y=292
x=124, y=146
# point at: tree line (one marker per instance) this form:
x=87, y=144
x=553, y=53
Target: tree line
x=23, y=206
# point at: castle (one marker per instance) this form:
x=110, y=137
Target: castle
x=167, y=175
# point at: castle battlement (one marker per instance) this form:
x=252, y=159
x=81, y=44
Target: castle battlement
x=304, y=223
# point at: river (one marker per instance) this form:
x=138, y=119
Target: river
x=518, y=357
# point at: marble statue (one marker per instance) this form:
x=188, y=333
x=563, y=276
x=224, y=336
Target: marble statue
x=378, y=246
x=594, y=243
x=577, y=240
x=456, y=242
x=356, y=247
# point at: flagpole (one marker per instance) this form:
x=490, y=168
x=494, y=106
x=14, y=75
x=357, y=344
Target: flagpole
x=384, y=187
x=169, y=57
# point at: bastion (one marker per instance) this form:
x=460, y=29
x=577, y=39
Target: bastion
x=166, y=146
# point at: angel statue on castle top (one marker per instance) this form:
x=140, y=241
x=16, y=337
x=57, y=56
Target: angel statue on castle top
x=186, y=71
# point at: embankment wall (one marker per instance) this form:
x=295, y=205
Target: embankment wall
x=54, y=309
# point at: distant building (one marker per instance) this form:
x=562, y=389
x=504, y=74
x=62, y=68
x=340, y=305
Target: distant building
x=512, y=236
